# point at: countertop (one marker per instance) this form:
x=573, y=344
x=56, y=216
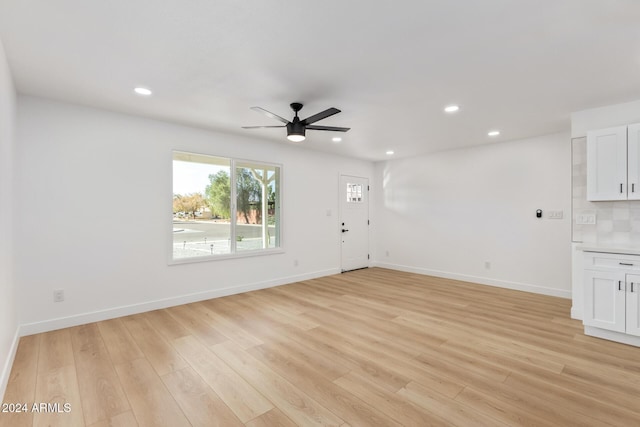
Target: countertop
x=610, y=249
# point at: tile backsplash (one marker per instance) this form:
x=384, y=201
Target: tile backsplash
x=617, y=223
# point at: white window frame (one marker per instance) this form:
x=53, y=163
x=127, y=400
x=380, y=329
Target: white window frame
x=233, y=208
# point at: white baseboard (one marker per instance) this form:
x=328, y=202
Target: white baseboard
x=8, y=364
x=477, y=279
x=612, y=336
x=96, y=316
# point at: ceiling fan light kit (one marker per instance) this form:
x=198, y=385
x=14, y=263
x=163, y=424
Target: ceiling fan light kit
x=295, y=132
x=296, y=128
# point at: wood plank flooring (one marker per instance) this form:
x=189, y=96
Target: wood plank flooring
x=368, y=348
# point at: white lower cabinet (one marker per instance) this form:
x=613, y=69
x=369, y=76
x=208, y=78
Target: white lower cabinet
x=633, y=306
x=611, y=301
x=612, y=296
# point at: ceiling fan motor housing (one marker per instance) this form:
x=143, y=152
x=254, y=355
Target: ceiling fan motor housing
x=295, y=127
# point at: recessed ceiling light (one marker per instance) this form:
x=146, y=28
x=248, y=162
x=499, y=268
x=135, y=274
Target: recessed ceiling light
x=451, y=108
x=142, y=91
x=494, y=133
x=390, y=152
x=336, y=139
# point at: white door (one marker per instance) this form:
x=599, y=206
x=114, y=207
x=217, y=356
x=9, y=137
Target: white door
x=607, y=164
x=354, y=222
x=604, y=300
x=633, y=304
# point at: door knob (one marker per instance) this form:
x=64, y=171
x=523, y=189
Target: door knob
x=343, y=230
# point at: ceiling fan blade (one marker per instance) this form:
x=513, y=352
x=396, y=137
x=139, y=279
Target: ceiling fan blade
x=322, y=115
x=270, y=114
x=333, y=128
x=260, y=127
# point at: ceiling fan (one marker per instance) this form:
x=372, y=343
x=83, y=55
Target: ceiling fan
x=296, y=128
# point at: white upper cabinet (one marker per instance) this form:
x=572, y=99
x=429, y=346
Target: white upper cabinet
x=633, y=162
x=613, y=163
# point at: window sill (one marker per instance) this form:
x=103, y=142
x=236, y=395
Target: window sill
x=222, y=257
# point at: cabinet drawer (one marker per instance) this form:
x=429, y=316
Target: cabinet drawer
x=604, y=261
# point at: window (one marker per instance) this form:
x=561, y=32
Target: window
x=354, y=193
x=224, y=207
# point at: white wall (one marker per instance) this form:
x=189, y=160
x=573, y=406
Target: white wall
x=448, y=213
x=94, y=195
x=8, y=324
x=604, y=117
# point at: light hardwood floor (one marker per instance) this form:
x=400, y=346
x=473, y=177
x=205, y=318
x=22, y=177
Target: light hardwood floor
x=368, y=348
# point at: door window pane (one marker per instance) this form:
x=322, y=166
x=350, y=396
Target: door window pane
x=354, y=193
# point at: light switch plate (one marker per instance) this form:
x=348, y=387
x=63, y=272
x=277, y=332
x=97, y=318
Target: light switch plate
x=555, y=214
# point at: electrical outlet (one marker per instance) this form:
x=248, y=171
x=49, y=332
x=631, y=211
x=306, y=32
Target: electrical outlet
x=586, y=219
x=487, y=265
x=58, y=295
x=386, y=253
x=295, y=262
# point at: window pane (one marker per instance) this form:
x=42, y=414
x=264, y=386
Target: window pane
x=201, y=205
x=354, y=193
x=258, y=206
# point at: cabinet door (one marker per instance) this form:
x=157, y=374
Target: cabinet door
x=607, y=164
x=633, y=162
x=604, y=300
x=633, y=304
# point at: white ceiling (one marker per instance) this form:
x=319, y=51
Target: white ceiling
x=521, y=66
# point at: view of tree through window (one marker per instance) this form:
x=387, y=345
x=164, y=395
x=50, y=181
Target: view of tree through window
x=217, y=212
x=256, y=199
